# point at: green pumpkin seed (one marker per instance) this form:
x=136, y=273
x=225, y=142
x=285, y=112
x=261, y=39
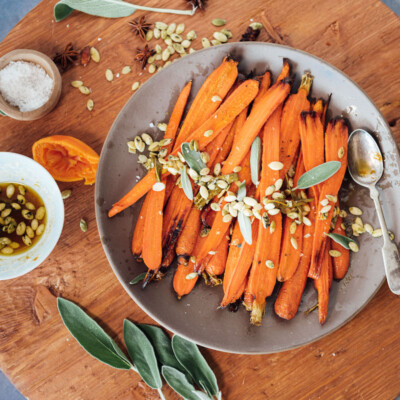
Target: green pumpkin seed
x=2, y=206
x=14, y=245
x=21, y=199
x=21, y=228
x=40, y=213
x=22, y=190
x=218, y=22
x=171, y=28
x=27, y=241
x=176, y=38
x=67, y=193
x=30, y=232
x=149, y=35
x=6, y=212
x=34, y=224
x=27, y=214
x=227, y=33
x=205, y=43
x=180, y=28
x=10, y=191
x=16, y=206
x=40, y=229
x=7, y=250
x=30, y=206
x=161, y=25
x=5, y=241
x=83, y=225
x=157, y=33
x=256, y=26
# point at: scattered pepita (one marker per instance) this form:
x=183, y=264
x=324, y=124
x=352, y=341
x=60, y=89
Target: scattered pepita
x=109, y=75
x=94, y=54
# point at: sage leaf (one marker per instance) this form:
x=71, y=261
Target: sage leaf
x=318, y=174
x=241, y=194
x=106, y=8
x=193, y=158
x=91, y=336
x=186, y=185
x=163, y=348
x=178, y=381
x=341, y=239
x=202, y=395
x=138, y=278
x=142, y=354
x=245, y=227
x=255, y=159
x=192, y=360
x=3, y=114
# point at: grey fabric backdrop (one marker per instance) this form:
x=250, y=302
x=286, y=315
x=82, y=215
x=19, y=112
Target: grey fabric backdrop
x=11, y=12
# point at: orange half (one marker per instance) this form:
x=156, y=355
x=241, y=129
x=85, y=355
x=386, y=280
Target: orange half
x=66, y=158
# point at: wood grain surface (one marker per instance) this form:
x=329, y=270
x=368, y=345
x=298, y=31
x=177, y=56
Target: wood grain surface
x=360, y=361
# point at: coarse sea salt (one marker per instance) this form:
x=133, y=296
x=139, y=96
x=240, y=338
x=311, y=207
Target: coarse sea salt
x=25, y=85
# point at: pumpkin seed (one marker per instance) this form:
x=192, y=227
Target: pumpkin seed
x=179, y=48
x=76, y=84
x=142, y=159
x=293, y=242
x=84, y=90
x=341, y=152
x=335, y=253
x=22, y=190
x=139, y=144
x=227, y=33
x=204, y=192
x=269, y=264
x=168, y=41
x=5, y=241
x=83, y=225
x=250, y=201
x=7, y=250
x=265, y=220
x=355, y=211
x=161, y=25
x=164, y=34
x=192, y=275
x=147, y=138
x=135, y=86
x=14, y=245
x=159, y=186
x=109, y=75
x=2, y=206
x=34, y=224
x=220, y=37
x=176, y=38
x=126, y=70
x=205, y=43
x=278, y=196
x=256, y=214
x=40, y=213
x=165, y=55
x=354, y=247
x=215, y=207
x=222, y=184
x=21, y=228
x=186, y=43
x=215, y=42
x=208, y=133
x=27, y=241
x=233, y=211
x=40, y=229
x=230, y=198
x=30, y=206
x=272, y=227
x=157, y=33
x=191, y=35
x=269, y=190
x=357, y=228
x=6, y=212
x=358, y=221
x=162, y=126
x=275, y=165
x=325, y=209
x=149, y=35
x=90, y=104
x=368, y=228
x=180, y=28
x=306, y=221
x=377, y=232
x=274, y=211
x=10, y=191
x=293, y=227
x=217, y=169
x=29, y=231
x=256, y=26
x=331, y=198
x=171, y=28
x=205, y=171
x=218, y=22
x=94, y=54
x=11, y=228
x=227, y=218
x=324, y=202
x=269, y=206
x=152, y=68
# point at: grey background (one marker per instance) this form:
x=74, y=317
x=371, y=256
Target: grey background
x=12, y=12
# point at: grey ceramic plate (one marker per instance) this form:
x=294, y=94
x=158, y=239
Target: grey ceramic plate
x=196, y=316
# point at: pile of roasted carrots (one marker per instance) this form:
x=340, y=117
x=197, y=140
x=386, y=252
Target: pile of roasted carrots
x=285, y=246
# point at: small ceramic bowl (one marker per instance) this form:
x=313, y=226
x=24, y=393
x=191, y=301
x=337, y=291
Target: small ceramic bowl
x=19, y=169
x=51, y=69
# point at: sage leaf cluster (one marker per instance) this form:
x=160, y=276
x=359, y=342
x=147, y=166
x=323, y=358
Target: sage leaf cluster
x=153, y=355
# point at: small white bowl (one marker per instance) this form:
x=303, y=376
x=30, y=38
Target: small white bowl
x=16, y=168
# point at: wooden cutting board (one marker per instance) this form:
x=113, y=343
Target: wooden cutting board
x=361, y=360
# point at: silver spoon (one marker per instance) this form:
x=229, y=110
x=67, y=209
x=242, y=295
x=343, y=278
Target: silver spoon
x=365, y=165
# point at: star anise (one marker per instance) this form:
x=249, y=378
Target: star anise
x=250, y=35
x=201, y=4
x=66, y=58
x=143, y=54
x=140, y=27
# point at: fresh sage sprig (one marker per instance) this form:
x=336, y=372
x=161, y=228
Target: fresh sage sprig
x=107, y=8
x=148, y=347
x=243, y=220
x=192, y=158
x=186, y=185
x=2, y=114
x=138, y=278
x=318, y=174
x=255, y=160
x=341, y=239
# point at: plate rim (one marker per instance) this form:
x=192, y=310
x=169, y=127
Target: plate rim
x=126, y=286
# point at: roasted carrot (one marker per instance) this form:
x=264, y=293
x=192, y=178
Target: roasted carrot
x=138, y=233
x=218, y=83
x=217, y=263
x=264, y=86
x=152, y=235
x=290, y=137
x=289, y=297
x=259, y=114
x=239, y=264
x=292, y=238
x=216, y=146
x=263, y=271
x=323, y=284
x=285, y=72
x=188, y=237
x=248, y=298
x=335, y=150
x=340, y=264
x=183, y=286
